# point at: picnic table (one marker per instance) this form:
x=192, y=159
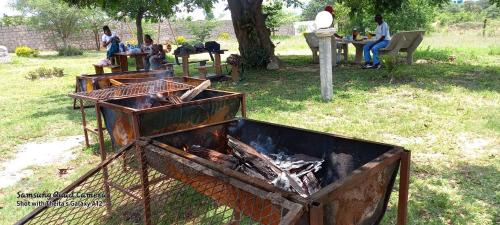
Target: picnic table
x=217, y=61
x=404, y=41
x=123, y=56
x=359, y=48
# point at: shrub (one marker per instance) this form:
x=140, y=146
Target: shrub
x=25, y=51
x=43, y=73
x=224, y=36
x=201, y=30
x=69, y=51
x=180, y=40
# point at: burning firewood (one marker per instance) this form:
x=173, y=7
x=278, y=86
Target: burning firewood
x=189, y=95
x=174, y=99
x=215, y=156
x=301, y=180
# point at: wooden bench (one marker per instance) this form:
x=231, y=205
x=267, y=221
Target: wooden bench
x=200, y=62
x=99, y=69
x=405, y=41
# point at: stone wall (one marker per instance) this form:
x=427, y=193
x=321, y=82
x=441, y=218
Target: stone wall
x=11, y=37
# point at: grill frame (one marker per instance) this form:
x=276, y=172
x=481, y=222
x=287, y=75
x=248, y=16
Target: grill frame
x=318, y=205
x=145, y=188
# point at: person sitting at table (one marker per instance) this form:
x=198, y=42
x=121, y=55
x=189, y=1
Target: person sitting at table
x=157, y=57
x=147, y=47
x=110, y=41
x=382, y=38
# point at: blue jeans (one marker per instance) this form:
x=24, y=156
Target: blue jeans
x=374, y=48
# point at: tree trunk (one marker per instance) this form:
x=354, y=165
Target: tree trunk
x=96, y=39
x=138, y=24
x=254, y=38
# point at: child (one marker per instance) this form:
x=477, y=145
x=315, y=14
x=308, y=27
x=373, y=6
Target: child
x=155, y=58
x=147, y=48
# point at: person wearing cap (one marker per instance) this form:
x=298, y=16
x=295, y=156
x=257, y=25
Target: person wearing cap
x=382, y=38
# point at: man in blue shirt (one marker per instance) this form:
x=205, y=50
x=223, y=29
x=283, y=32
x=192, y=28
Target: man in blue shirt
x=382, y=38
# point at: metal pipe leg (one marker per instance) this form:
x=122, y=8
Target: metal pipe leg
x=404, y=183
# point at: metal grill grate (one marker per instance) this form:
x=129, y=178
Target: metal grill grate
x=143, y=88
x=183, y=193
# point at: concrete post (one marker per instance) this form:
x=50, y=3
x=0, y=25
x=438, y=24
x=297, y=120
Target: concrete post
x=325, y=61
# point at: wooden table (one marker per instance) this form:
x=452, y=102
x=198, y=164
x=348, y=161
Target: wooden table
x=216, y=60
x=358, y=58
x=139, y=60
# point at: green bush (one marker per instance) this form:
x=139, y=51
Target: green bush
x=25, y=51
x=201, y=30
x=69, y=51
x=43, y=73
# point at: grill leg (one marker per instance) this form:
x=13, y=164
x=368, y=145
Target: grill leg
x=145, y=184
x=317, y=213
x=103, y=158
x=404, y=183
x=84, y=123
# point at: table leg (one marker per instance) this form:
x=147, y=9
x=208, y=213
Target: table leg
x=218, y=67
x=185, y=65
x=139, y=62
x=123, y=63
x=359, y=54
x=345, y=51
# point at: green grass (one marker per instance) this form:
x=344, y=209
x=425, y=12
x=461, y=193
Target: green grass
x=447, y=113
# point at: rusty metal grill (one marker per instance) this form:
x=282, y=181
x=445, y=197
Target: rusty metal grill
x=183, y=193
x=149, y=87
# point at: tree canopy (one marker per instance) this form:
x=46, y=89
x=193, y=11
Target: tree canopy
x=53, y=16
x=139, y=10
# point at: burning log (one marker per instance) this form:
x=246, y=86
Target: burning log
x=189, y=95
x=174, y=99
x=311, y=183
x=253, y=158
x=261, y=166
x=215, y=156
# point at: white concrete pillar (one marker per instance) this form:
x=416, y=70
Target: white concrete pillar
x=325, y=61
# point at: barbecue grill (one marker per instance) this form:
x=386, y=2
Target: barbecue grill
x=153, y=181
x=354, y=189
x=94, y=96
x=130, y=118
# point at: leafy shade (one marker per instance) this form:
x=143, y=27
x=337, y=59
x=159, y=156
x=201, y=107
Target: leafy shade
x=150, y=10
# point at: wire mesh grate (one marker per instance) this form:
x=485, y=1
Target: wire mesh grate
x=149, y=87
x=180, y=194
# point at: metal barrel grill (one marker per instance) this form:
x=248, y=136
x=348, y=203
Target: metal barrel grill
x=356, y=178
x=130, y=118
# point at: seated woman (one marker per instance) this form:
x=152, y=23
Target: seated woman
x=157, y=59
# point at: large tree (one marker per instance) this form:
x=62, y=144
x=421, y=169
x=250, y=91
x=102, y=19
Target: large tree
x=53, y=16
x=254, y=38
x=139, y=10
x=93, y=19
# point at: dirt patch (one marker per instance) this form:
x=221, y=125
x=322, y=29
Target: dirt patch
x=472, y=146
x=30, y=154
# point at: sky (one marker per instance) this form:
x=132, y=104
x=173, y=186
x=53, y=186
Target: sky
x=219, y=10
x=5, y=9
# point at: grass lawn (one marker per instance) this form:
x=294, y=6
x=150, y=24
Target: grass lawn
x=447, y=113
